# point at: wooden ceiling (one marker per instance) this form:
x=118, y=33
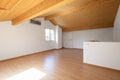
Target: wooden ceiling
x=69, y=14
x=27, y=9
x=86, y=14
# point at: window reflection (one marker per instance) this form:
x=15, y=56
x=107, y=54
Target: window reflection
x=30, y=74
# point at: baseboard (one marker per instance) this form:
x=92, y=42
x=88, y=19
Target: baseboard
x=26, y=55
x=73, y=48
x=101, y=67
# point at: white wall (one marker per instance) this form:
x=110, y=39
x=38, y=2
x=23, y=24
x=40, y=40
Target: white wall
x=117, y=27
x=106, y=54
x=75, y=39
x=23, y=39
x=58, y=37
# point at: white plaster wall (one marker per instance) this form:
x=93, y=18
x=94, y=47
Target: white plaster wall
x=117, y=27
x=23, y=39
x=68, y=39
x=106, y=54
x=75, y=39
x=58, y=37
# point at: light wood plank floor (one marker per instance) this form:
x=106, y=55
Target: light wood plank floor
x=63, y=64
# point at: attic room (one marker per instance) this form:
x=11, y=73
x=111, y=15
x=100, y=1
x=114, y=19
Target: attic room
x=59, y=39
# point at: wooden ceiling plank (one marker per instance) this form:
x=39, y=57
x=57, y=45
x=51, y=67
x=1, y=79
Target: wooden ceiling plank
x=86, y=28
x=41, y=9
x=3, y=4
x=7, y=4
x=75, y=8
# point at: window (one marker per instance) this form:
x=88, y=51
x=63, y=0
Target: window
x=49, y=35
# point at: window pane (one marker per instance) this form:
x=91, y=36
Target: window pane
x=47, y=34
x=52, y=35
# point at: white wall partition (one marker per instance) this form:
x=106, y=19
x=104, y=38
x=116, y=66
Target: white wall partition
x=106, y=54
x=75, y=39
x=117, y=27
x=23, y=39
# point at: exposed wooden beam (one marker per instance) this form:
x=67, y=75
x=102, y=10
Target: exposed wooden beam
x=67, y=29
x=40, y=9
x=7, y=4
x=76, y=8
x=53, y=22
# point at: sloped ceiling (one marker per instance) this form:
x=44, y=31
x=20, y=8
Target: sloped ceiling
x=22, y=10
x=86, y=14
x=69, y=14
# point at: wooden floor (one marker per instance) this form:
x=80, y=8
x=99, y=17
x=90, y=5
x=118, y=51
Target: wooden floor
x=64, y=64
